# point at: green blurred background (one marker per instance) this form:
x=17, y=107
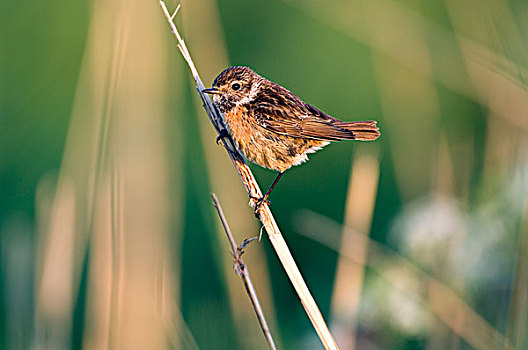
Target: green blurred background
x=108, y=238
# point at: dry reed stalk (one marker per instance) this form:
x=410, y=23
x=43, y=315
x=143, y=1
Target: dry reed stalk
x=242, y=271
x=203, y=28
x=253, y=190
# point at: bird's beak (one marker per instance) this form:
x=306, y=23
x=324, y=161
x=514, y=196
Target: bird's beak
x=212, y=91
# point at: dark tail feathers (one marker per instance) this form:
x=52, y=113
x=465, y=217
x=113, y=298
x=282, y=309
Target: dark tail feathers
x=363, y=130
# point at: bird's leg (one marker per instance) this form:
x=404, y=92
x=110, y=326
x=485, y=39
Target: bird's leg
x=223, y=133
x=265, y=197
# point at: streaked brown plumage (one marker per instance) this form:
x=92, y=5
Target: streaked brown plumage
x=274, y=128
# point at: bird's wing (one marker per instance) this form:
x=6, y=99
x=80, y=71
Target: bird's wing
x=284, y=113
x=303, y=127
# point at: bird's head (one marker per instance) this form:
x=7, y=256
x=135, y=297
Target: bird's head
x=235, y=86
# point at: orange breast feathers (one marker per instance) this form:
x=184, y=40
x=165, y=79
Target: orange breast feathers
x=239, y=124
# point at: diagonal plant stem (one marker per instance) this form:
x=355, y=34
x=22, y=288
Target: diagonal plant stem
x=253, y=190
x=437, y=297
x=242, y=271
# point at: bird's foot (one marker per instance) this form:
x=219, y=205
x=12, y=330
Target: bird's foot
x=223, y=133
x=258, y=203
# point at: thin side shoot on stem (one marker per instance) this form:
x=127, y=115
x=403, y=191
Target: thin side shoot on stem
x=242, y=271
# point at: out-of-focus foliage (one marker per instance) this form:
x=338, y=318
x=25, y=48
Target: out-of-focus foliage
x=107, y=233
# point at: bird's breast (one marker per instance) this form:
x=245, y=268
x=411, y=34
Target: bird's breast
x=239, y=125
x=263, y=147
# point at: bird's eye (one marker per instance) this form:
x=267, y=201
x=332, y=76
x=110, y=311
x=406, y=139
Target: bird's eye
x=235, y=86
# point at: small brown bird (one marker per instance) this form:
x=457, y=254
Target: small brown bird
x=274, y=128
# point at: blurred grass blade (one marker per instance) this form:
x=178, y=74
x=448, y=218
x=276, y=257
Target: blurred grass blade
x=359, y=208
x=407, y=144
x=414, y=282
x=518, y=313
x=55, y=286
x=493, y=76
x=112, y=194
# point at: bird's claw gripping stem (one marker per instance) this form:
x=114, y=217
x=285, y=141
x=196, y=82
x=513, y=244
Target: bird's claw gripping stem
x=258, y=203
x=223, y=133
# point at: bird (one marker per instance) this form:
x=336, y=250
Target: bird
x=272, y=127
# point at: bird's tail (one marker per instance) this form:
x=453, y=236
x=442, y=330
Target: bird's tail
x=363, y=130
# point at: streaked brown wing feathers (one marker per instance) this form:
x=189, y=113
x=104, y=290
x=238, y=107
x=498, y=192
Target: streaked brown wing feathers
x=300, y=122
x=278, y=110
x=307, y=127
